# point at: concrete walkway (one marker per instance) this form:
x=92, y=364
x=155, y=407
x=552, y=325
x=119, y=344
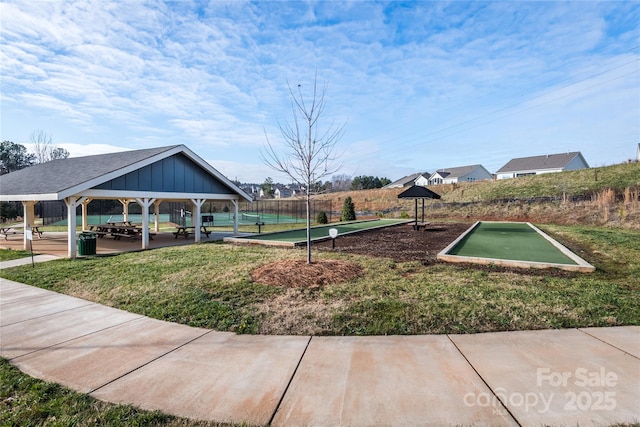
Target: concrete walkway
x=585, y=376
x=27, y=261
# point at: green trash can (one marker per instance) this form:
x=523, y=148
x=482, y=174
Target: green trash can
x=87, y=243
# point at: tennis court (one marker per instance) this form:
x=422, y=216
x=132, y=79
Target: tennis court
x=514, y=244
x=216, y=219
x=103, y=219
x=299, y=236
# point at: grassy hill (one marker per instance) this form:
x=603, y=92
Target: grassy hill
x=584, y=182
x=609, y=196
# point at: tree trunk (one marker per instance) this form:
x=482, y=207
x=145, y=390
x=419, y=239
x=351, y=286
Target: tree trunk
x=308, y=227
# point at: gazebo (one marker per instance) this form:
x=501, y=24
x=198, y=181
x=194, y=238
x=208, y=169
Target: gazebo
x=147, y=177
x=418, y=192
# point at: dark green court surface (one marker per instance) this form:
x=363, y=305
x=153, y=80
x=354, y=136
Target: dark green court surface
x=512, y=244
x=515, y=241
x=299, y=236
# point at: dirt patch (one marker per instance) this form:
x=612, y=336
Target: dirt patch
x=299, y=274
x=400, y=243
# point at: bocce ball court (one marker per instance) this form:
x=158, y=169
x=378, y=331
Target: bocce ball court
x=512, y=244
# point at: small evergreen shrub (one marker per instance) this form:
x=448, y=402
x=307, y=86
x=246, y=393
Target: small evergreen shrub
x=321, y=218
x=348, y=210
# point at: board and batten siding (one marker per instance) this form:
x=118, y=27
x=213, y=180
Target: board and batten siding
x=174, y=174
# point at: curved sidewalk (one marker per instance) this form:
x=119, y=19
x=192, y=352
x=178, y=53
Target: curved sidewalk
x=585, y=376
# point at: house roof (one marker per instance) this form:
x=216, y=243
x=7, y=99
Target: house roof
x=406, y=180
x=457, y=171
x=548, y=161
x=418, y=192
x=61, y=178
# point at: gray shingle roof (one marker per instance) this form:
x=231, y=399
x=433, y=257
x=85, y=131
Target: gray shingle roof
x=457, y=171
x=549, y=161
x=406, y=180
x=58, y=175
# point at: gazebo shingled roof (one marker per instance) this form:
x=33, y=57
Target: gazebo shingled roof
x=418, y=192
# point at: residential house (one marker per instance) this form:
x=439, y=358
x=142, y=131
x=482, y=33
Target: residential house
x=409, y=180
x=282, y=192
x=286, y=191
x=536, y=165
x=251, y=189
x=422, y=180
x=469, y=173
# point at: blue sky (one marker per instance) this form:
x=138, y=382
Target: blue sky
x=420, y=85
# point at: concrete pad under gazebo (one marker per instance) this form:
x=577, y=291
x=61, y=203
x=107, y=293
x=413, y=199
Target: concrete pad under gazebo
x=417, y=192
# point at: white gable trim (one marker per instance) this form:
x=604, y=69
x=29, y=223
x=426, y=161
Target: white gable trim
x=85, y=186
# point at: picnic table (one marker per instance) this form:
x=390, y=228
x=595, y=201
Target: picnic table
x=117, y=230
x=182, y=230
x=6, y=231
x=120, y=223
x=36, y=230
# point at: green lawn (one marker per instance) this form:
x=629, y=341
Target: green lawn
x=509, y=241
x=11, y=254
x=209, y=285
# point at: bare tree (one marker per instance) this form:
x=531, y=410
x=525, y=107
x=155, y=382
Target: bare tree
x=44, y=149
x=309, y=151
x=341, y=182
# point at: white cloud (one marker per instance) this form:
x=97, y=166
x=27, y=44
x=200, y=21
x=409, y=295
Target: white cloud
x=423, y=86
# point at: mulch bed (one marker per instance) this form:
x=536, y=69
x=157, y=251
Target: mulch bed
x=400, y=243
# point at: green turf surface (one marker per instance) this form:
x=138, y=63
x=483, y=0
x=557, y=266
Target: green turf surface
x=322, y=232
x=509, y=241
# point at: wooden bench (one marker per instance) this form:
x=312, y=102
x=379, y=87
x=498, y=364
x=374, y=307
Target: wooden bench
x=118, y=236
x=418, y=225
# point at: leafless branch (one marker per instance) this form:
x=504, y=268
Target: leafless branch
x=308, y=152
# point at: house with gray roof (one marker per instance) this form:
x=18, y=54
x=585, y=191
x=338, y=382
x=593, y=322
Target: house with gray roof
x=536, y=165
x=147, y=177
x=419, y=178
x=458, y=174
